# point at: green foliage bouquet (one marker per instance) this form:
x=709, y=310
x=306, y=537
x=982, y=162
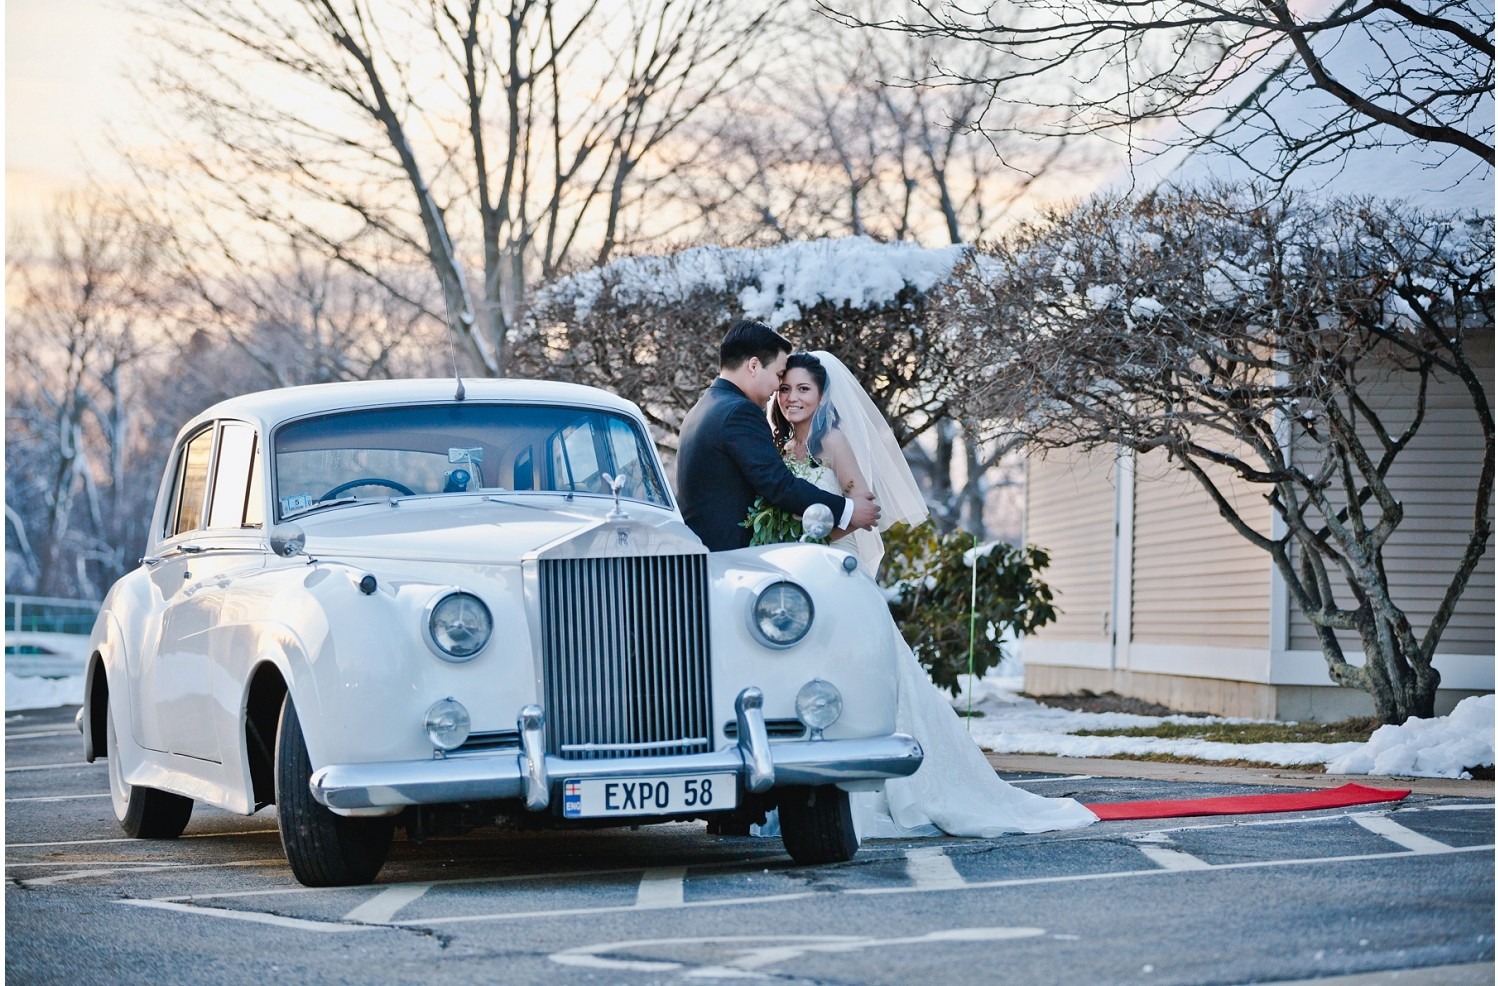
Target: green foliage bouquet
x=930, y=580
x=771, y=524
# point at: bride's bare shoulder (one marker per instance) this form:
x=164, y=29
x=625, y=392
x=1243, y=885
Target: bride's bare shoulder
x=835, y=447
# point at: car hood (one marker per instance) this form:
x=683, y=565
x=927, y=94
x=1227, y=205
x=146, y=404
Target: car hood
x=493, y=531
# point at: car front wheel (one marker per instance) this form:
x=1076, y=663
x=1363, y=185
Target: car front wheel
x=143, y=812
x=324, y=849
x=816, y=825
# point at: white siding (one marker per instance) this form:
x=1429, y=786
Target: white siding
x=1435, y=479
x=1070, y=499
x=1197, y=581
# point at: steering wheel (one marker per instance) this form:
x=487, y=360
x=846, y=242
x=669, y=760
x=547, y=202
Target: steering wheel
x=371, y=481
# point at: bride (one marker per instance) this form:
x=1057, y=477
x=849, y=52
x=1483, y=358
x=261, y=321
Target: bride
x=831, y=432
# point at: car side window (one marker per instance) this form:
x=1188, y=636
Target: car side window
x=233, y=476
x=574, y=458
x=191, y=492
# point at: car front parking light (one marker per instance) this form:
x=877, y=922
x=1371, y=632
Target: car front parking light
x=447, y=724
x=819, y=704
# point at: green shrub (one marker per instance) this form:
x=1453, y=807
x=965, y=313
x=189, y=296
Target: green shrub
x=931, y=588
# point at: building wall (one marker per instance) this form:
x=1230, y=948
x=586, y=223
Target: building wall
x=1196, y=581
x=1070, y=503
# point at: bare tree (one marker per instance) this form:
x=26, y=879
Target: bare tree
x=1290, y=347
x=488, y=143
x=837, y=139
x=81, y=335
x=1382, y=73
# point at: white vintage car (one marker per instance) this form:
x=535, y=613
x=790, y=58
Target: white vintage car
x=431, y=604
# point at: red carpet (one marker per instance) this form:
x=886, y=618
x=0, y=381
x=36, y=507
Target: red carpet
x=1248, y=804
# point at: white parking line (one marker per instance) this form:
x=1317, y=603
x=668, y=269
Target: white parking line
x=929, y=868
x=104, y=842
x=752, y=953
x=663, y=887
x=55, y=766
x=1173, y=859
x=1399, y=835
x=1052, y=780
x=60, y=797
x=384, y=905
x=174, y=904
x=255, y=917
x=39, y=734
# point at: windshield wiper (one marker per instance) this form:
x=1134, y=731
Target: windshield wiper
x=320, y=504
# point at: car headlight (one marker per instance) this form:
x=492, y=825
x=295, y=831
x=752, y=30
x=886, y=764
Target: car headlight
x=447, y=724
x=458, y=626
x=781, y=614
x=819, y=704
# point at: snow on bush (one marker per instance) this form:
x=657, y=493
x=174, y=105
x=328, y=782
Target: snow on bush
x=773, y=284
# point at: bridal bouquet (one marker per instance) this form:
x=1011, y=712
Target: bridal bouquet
x=771, y=524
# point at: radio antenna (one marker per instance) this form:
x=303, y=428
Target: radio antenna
x=452, y=349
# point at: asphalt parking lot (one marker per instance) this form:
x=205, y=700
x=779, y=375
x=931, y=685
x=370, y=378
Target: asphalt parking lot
x=1391, y=893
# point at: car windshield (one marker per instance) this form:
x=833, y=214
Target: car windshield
x=461, y=448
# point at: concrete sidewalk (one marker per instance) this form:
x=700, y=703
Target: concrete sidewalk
x=1213, y=774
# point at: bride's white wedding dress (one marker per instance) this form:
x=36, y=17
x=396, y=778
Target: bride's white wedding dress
x=955, y=791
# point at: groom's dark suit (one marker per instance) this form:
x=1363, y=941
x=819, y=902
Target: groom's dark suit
x=727, y=458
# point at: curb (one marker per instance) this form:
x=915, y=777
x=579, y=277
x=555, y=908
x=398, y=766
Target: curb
x=1031, y=763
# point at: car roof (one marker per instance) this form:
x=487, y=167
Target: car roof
x=268, y=407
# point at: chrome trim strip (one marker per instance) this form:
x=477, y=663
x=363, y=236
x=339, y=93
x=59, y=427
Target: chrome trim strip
x=505, y=776
x=661, y=745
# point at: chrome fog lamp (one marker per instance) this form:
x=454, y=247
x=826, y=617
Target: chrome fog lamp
x=447, y=724
x=819, y=704
x=781, y=614
x=458, y=626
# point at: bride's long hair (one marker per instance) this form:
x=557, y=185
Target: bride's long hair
x=822, y=421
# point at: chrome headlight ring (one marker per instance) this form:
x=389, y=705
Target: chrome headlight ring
x=781, y=614
x=457, y=626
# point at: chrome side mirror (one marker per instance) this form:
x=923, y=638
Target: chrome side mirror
x=287, y=540
x=816, y=523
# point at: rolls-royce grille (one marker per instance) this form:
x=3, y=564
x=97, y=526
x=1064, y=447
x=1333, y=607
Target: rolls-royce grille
x=625, y=656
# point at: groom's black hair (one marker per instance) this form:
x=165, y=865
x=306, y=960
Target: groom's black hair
x=746, y=338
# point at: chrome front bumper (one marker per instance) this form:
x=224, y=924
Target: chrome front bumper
x=529, y=774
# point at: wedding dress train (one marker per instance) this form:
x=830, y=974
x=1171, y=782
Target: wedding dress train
x=955, y=791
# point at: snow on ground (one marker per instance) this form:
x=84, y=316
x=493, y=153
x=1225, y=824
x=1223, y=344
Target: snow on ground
x=1011, y=723
x=1442, y=747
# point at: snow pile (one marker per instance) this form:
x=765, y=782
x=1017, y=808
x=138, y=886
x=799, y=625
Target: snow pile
x=773, y=284
x=42, y=693
x=1442, y=747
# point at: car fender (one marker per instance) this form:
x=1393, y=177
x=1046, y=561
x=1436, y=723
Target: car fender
x=851, y=643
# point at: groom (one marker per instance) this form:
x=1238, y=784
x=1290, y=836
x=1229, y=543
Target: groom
x=728, y=456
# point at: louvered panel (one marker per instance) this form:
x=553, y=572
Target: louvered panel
x=624, y=652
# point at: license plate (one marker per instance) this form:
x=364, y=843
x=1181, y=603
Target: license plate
x=599, y=797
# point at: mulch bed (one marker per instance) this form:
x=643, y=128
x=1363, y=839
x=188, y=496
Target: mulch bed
x=1108, y=702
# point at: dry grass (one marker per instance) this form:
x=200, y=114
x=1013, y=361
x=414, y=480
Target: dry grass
x=1347, y=731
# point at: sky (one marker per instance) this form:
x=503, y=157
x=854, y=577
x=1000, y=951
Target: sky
x=65, y=90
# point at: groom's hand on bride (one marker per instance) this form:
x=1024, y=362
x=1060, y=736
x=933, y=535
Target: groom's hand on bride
x=865, y=512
